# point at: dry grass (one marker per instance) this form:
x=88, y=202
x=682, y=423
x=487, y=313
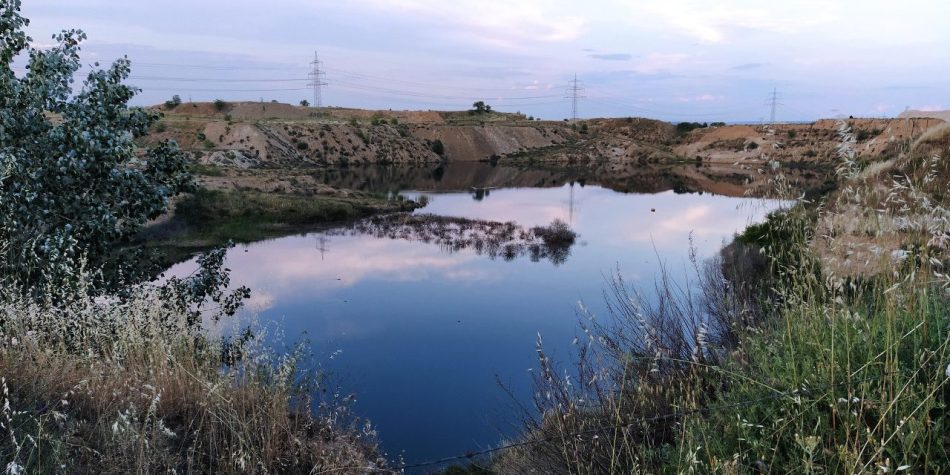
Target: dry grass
x=129, y=386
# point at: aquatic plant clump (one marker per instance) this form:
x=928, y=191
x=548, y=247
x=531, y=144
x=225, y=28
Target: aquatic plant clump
x=492, y=238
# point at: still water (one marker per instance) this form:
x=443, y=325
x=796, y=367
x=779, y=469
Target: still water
x=423, y=333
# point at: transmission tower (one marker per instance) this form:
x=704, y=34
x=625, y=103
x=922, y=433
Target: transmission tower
x=574, y=92
x=317, y=75
x=773, y=103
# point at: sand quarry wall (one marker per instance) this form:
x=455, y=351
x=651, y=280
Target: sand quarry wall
x=816, y=142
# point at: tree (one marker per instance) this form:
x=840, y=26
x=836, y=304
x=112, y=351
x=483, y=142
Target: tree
x=220, y=105
x=304, y=103
x=72, y=182
x=174, y=102
x=480, y=107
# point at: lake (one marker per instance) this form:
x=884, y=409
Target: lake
x=423, y=332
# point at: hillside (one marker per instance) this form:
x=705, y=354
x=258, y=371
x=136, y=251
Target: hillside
x=910, y=114
x=248, y=134
x=255, y=135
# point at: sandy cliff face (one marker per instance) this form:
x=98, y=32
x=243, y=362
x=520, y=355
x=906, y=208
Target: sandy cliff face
x=279, y=135
x=276, y=135
x=479, y=142
x=806, y=143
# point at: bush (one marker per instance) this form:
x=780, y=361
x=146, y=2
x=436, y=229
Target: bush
x=174, y=102
x=557, y=234
x=686, y=127
x=304, y=103
x=220, y=105
x=438, y=147
x=479, y=107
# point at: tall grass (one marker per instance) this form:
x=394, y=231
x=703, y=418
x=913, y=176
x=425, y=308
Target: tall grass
x=769, y=359
x=136, y=385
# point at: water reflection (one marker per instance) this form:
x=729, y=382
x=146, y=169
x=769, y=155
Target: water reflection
x=425, y=328
x=481, y=178
x=489, y=238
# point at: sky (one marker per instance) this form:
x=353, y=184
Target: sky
x=679, y=60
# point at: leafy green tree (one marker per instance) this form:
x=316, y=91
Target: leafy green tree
x=72, y=180
x=304, y=103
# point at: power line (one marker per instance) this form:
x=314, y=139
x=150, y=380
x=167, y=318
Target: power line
x=180, y=79
x=217, y=68
x=226, y=90
x=574, y=92
x=426, y=85
x=317, y=81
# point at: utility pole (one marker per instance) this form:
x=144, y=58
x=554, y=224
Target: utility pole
x=317, y=75
x=574, y=92
x=773, y=103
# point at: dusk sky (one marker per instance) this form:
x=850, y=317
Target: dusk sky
x=671, y=59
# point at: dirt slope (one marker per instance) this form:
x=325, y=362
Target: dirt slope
x=910, y=114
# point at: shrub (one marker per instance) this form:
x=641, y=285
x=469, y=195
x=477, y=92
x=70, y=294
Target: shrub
x=479, y=107
x=438, y=147
x=686, y=127
x=220, y=105
x=174, y=102
x=304, y=103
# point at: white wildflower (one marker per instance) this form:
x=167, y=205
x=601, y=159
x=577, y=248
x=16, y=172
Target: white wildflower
x=13, y=468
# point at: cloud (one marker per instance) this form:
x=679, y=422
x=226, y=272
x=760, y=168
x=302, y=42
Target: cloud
x=495, y=23
x=726, y=20
x=611, y=56
x=658, y=62
x=709, y=98
x=748, y=66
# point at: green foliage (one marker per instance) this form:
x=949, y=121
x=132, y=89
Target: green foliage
x=479, y=107
x=220, y=105
x=438, y=147
x=174, y=102
x=864, y=134
x=73, y=186
x=686, y=127
x=304, y=103
x=197, y=168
